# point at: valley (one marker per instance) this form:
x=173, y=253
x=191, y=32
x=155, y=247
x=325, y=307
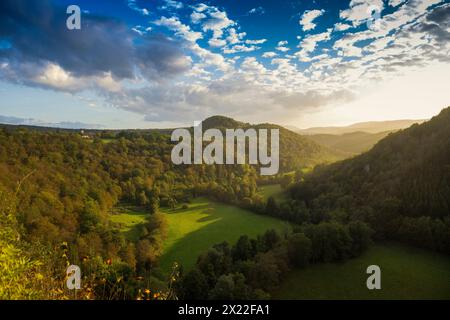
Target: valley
x=406, y=273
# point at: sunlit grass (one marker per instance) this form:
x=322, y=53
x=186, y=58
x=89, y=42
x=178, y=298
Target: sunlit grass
x=129, y=219
x=204, y=223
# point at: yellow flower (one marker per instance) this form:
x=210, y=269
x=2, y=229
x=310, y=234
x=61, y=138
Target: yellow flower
x=39, y=276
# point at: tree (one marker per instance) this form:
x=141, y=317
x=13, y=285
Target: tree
x=270, y=239
x=330, y=241
x=361, y=234
x=194, y=285
x=299, y=249
x=272, y=207
x=90, y=216
x=242, y=250
x=224, y=289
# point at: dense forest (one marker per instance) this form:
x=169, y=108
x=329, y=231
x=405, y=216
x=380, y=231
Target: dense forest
x=401, y=187
x=60, y=186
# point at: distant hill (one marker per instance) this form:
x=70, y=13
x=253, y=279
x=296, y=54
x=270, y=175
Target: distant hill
x=352, y=143
x=296, y=151
x=369, y=127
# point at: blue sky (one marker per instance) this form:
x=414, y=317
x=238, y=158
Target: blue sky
x=157, y=63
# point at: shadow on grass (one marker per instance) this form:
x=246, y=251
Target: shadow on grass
x=184, y=210
x=222, y=223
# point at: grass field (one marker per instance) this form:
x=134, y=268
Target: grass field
x=204, y=223
x=406, y=273
x=129, y=219
x=272, y=190
x=106, y=141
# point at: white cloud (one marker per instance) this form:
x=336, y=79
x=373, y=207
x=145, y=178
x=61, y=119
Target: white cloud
x=217, y=42
x=179, y=28
x=235, y=37
x=360, y=11
x=269, y=54
x=405, y=15
x=196, y=17
x=209, y=58
x=341, y=26
x=309, y=44
x=308, y=17
x=54, y=76
x=141, y=30
x=281, y=46
x=395, y=3
x=201, y=7
x=261, y=41
x=257, y=10
x=132, y=5
x=172, y=4
x=216, y=22
x=240, y=48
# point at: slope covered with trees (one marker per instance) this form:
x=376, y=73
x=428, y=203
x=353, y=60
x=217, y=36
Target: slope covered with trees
x=351, y=143
x=296, y=151
x=401, y=187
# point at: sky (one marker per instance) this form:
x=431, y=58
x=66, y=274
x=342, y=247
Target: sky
x=167, y=63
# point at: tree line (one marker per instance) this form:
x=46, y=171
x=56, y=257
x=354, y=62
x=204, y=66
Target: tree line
x=254, y=268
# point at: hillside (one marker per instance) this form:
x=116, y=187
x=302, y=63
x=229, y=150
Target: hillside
x=296, y=151
x=401, y=186
x=369, y=127
x=352, y=143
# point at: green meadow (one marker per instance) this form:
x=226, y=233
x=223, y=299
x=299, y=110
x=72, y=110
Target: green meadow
x=191, y=231
x=406, y=273
x=129, y=219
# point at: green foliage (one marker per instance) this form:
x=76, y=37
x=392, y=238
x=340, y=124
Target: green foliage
x=296, y=151
x=252, y=268
x=352, y=143
x=19, y=276
x=401, y=187
x=299, y=248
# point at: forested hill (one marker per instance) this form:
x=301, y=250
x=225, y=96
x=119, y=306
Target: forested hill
x=401, y=186
x=351, y=143
x=296, y=151
x=71, y=180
